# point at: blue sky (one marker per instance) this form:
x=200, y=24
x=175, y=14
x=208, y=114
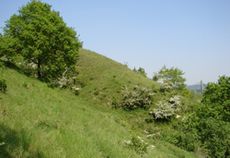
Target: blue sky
x=193, y=35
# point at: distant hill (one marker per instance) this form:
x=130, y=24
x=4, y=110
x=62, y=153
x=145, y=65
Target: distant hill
x=197, y=87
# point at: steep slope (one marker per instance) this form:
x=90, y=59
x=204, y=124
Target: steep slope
x=102, y=78
x=37, y=121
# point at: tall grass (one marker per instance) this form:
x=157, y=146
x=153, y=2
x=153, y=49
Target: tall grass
x=37, y=121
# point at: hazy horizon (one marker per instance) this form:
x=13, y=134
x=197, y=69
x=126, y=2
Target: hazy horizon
x=191, y=35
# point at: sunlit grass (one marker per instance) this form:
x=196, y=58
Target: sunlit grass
x=38, y=121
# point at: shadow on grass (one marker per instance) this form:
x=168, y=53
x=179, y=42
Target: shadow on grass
x=16, y=144
x=13, y=66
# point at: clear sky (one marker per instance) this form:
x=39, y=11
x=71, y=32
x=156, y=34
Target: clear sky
x=193, y=35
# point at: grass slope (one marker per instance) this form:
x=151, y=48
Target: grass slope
x=37, y=121
x=103, y=78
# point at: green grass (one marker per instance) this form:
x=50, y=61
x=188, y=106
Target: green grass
x=38, y=121
x=104, y=78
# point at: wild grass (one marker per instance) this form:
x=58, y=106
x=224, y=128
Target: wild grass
x=103, y=78
x=38, y=121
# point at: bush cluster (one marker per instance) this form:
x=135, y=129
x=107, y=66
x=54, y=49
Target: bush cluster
x=137, y=97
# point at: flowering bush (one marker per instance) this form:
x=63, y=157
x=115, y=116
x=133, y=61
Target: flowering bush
x=138, y=97
x=165, y=110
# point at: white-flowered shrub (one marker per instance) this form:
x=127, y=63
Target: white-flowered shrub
x=165, y=110
x=138, y=97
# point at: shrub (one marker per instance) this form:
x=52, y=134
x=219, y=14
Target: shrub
x=186, y=136
x=165, y=110
x=3, y=86
x=66, y=80
x=138, y=97
x=215, y=136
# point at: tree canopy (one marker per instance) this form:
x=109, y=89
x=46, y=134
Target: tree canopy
x=210, y=122
x=42, y=38
x=172, y=77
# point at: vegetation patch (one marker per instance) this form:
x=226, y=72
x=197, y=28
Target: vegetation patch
x=137, y=97
x=165, y=110
x=138, y=144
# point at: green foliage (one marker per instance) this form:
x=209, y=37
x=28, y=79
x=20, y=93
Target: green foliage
x=138, y=97
x=217, y=98
x=170, y=78
x=215, y=136
x=3, y=86
x=210, y=124
x=41, y=37
x=141, y=71
x=8, y=47
x=214, y=124
x=185, y=138
x=185, y=134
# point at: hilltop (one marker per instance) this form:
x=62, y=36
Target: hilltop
x=102, y=78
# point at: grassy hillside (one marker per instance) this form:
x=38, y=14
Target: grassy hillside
x=37, y=121
x=102, y=78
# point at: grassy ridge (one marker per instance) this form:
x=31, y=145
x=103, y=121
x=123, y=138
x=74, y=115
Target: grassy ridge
x=37, y=121
x=104, y=78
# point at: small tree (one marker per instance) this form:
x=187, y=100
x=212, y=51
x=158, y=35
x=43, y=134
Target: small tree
x=170, y=78
x=42, y=38
x=141, y=71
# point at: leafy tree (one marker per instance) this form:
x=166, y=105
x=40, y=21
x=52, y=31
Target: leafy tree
x=43, y=39
x=170, y=78
x=217, y=92
x=211, y=120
